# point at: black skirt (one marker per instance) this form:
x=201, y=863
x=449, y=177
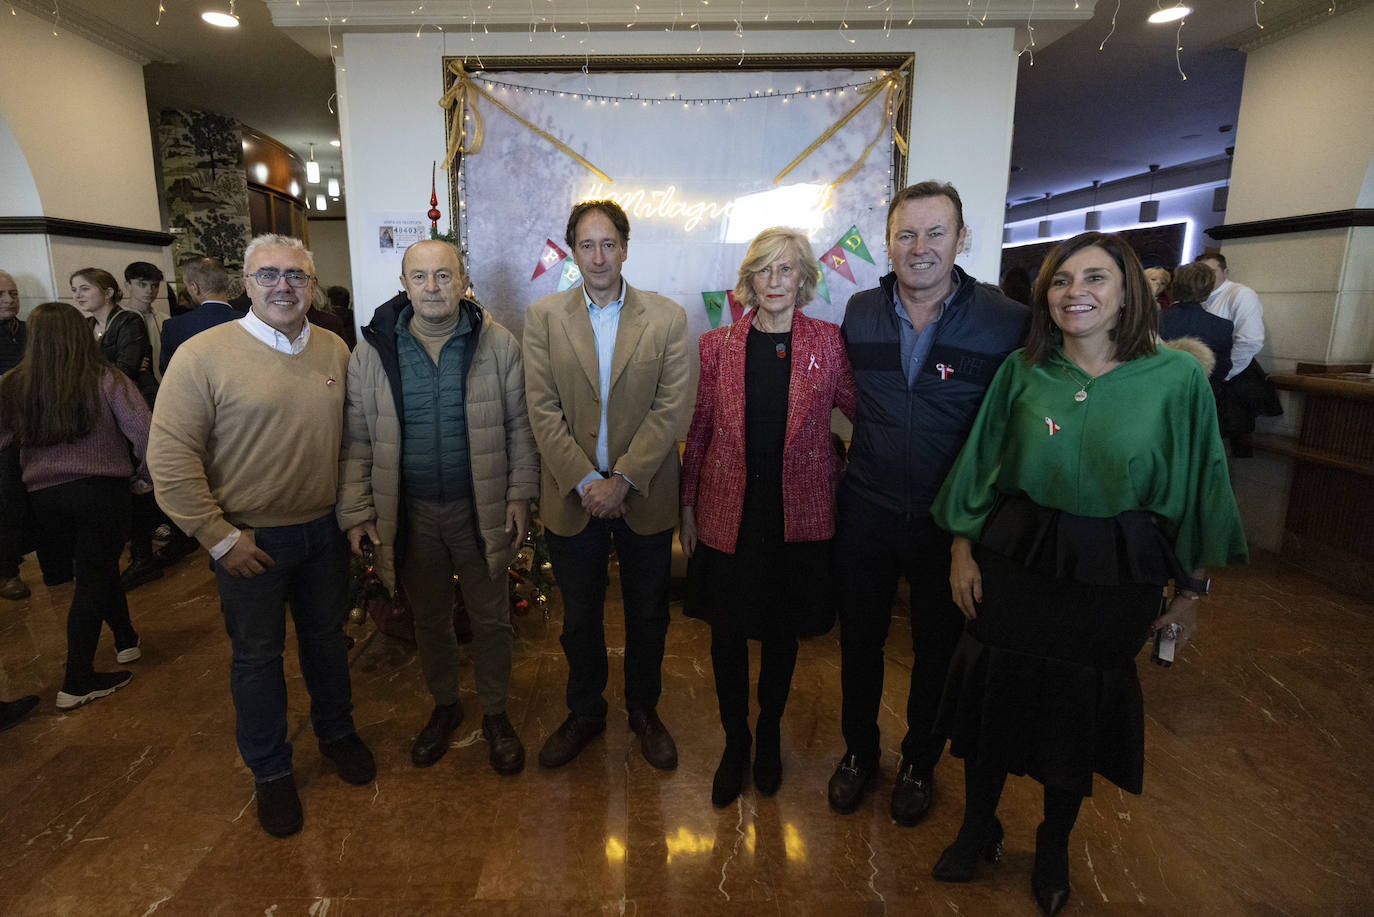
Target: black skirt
x=1043, y=681
x=767, y=587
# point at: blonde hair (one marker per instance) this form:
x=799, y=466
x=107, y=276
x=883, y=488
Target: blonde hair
x=767, y=247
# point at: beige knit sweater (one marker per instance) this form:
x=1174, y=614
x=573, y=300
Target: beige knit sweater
x=243, y=435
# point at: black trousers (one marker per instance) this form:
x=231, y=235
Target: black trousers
x=91, y=516
x=730, y=664
x=579, y=566
x=873, y=548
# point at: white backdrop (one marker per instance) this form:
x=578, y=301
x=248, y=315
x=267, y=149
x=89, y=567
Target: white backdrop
x=696, y=179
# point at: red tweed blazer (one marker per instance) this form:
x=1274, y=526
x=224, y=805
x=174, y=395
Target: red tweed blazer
x=713, y=473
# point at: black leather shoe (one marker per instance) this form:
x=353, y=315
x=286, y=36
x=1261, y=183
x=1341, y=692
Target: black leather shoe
x=911, y=795
x=729, y=779
x=143, y=570
x=568, y=740
x=177, y=547
x=12, y=711
x=432, y=742
x=767, y=757
x=506, y=754
x=848, y=783
x=654, y=740
x=14, y=588
x=960, y=859
x=1050, y=877
x=352, y=758
x=279, y=807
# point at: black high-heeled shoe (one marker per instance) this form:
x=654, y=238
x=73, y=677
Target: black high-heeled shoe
x=1050, y=877
x=767, y=756
x=730, y=775
x=960, y=859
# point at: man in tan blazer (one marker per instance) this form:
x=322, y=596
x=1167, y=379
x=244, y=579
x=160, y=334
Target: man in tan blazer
x=606, y=380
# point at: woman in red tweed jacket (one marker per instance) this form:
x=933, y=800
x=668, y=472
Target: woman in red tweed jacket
x=758, y=490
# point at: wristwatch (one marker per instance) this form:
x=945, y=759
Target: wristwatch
x=1199, y=588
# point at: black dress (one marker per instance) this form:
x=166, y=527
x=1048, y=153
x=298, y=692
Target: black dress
x=768, y=586
x=1043, y=681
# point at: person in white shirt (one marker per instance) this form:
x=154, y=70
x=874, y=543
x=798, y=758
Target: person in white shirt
x=1241, y=306
x=1247, y=392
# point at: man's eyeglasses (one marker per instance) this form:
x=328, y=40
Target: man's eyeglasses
x=268, y=277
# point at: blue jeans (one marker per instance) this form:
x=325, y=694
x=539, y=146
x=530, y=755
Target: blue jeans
x=579, y=566
x=311, y=575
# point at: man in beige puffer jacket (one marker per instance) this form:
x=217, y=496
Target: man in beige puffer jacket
x=437, y=468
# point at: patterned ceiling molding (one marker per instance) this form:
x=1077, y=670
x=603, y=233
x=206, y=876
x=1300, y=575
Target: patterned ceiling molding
x=572, y=14
x=1306, y=15
x=85, y=24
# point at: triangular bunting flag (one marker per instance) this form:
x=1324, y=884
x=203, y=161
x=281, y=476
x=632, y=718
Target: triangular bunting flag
x=715, y=302
x=551, y=255
x=855, y=243
x=838, y=261
x=571, y=276
x=822, y=288
x=736, y=310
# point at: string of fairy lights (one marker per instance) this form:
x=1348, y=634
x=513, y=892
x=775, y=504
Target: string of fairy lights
x=786, y=95
x=766, y=95
x=691, y=21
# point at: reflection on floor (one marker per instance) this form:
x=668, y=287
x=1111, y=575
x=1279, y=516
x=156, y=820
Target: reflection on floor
x=1256, y=794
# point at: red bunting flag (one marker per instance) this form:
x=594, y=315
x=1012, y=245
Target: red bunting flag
x=551, y=255
x=838, y=261
x=736, y=310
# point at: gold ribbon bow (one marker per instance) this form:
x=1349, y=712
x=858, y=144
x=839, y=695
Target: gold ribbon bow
x=459, y=101
x=894, y=84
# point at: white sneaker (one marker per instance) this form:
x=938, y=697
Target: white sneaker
x=129, y=654
x=99, y=684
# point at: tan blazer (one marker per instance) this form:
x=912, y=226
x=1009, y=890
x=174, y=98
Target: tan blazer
x=648, y=400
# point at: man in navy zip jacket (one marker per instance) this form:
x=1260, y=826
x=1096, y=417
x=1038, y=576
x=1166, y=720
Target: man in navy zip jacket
x=924, y=346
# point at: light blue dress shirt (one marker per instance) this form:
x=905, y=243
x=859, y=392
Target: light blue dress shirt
x=605, y=323
x=916, y=347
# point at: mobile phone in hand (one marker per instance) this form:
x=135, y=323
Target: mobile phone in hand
x=1164, y=649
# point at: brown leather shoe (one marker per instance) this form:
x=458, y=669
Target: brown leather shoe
x=432, y=742
x=14, y=588
x=568, y=740
x=654, y=740
x=506, y=754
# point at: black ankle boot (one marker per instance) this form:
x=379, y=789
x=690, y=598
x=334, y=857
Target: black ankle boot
x=768, y=756
x=729, y=779
x=1050, y=877
x=960, y=859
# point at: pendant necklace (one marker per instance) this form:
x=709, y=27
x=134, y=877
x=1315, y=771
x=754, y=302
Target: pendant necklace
x=779, y=346
x=1082, y=394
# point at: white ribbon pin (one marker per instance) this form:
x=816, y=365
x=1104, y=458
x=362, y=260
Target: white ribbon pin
x=814, y=364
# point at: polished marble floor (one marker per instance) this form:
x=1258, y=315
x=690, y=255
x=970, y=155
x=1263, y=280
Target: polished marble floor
x=1260, y=758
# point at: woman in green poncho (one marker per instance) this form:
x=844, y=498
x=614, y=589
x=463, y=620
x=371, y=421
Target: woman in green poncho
x=1094, y=475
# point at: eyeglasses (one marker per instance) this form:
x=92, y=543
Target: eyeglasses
x=268, y=277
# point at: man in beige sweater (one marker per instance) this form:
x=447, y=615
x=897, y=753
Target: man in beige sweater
x=243, y=455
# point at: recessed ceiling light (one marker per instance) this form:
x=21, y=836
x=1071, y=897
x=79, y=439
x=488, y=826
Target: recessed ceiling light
x=1172, y=14
x=221, y=20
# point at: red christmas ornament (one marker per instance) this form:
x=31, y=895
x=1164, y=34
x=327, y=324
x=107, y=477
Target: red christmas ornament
x=434, y=213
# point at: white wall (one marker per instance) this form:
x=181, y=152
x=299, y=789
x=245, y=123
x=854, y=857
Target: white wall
x=75, y=145
x=80, y=115
x=1305, y=135
x=329, y=245
x=392, y=128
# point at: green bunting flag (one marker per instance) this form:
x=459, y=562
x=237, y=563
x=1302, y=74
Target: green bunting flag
x=715, y=302
x=571, y=276
x=822, y=288
x=855, y=243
